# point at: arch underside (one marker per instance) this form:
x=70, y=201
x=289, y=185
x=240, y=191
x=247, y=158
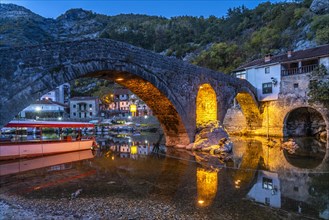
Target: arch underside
x=161, y=106
x=304, y=121
x=250, y=110
x=206, y=105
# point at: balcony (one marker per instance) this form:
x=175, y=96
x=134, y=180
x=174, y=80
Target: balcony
x=298, y=70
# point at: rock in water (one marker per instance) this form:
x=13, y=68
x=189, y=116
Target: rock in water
x=76, y=193
x=212, y=137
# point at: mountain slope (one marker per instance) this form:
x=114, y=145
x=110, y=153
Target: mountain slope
x=218, y=43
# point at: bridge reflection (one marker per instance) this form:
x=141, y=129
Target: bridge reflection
x=184, y=180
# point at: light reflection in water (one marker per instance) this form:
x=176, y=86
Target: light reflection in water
x=207, y=183
x=259, y=172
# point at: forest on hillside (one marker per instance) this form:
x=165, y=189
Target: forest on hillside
x=219, y=43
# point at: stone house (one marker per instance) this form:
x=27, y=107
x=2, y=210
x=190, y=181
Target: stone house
x=285, y=73
x=282, y=83
x=84, y=107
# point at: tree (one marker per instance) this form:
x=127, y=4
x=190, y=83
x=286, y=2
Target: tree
x=220, y=57
x=319, y=86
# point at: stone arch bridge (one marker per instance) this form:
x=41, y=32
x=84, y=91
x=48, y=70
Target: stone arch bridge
x=167, y=85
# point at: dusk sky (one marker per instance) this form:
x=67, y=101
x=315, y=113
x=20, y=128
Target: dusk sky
x=54, y=8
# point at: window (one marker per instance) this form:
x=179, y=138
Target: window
x=267, y=183
x=90, y=105
x=90, y=113
x=295, y=85
x=267, y=88
x=267, y=70
x=241, y=75
x=74, y=106
x=74, y=114
x=296, y=189
x=267, y=201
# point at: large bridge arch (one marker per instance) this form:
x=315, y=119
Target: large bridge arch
x=27, y=72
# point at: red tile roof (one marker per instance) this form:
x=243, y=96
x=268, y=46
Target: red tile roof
x=316, y=52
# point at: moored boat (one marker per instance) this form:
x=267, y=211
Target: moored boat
x=17, y=148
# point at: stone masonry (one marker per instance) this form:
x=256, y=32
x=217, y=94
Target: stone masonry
x=169, y=86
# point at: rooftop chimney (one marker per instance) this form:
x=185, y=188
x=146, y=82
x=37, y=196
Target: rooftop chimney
x=289, y=53
x=268, y=57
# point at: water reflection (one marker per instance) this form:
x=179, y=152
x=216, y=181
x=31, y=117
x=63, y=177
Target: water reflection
x=309, y=152
x=207, y=184
x=267, y=189
x=54, y=162
x=258, y=170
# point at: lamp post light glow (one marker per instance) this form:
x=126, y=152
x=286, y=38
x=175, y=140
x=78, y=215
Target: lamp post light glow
x=133, y=109
x=133, y=149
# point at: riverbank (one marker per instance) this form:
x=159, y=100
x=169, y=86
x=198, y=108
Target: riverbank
x=18, y=207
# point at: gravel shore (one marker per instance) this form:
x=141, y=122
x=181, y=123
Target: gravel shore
x=18, y=207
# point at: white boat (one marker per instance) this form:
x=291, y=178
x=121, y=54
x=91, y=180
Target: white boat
x=17, y=149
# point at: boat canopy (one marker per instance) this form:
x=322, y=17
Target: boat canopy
x=48, y=124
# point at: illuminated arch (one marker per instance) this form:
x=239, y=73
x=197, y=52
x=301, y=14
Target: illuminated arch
x=206, y=105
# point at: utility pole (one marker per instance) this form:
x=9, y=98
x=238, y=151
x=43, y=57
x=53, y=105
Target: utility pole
x=267, y=116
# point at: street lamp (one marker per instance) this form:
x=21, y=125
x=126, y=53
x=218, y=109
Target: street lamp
x=37, y=109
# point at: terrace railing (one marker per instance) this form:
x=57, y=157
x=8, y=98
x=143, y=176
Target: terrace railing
x=298, y=70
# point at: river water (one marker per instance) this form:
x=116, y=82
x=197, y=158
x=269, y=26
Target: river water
x=127, y=179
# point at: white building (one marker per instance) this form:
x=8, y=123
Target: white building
x=145, y=149
x=273, y=74
x=61, y=94
x=84, y=107
x=267, y=189
x=44, y=109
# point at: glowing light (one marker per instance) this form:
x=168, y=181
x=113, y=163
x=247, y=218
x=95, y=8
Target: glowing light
x=206, y=105
x=145, y=116
x=59, y=118
x=201, y=202
x=237, y=184
x=133, y=108
x=119, y=79
x=146, y=141
x=129, y=117
x=133, y=150
x=38, y=108
x=112, y=157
